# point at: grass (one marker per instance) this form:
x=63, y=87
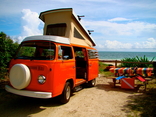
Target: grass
x=102, y=68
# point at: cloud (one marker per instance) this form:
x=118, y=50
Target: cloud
x=30, y=24
x=122, y=36
x=114, y=45
x=119, y=19
x=111, y=28
x=150, y=43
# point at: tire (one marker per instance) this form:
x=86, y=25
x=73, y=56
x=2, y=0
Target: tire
x=65, y=96
x=92, y=83
x=19, y=76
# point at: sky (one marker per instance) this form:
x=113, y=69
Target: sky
x=119, y=25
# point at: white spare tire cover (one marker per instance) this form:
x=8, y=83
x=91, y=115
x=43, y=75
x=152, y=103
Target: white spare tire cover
x=20, y=76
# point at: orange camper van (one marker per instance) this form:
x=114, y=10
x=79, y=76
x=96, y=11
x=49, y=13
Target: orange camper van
x=53, y=64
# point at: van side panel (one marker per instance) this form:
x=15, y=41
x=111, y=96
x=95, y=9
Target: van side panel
x=93, y=64
x=93, y=67
x=63, y=70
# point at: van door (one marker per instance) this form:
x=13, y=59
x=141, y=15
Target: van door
x=93, y=64
x=68, y=63
x=64, y=67
x=81, y=62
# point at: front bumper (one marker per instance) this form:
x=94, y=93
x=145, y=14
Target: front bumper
x=27, y=93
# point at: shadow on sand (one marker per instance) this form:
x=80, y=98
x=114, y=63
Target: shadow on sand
x=143, y=105
x=108, y=87
x=17, y=106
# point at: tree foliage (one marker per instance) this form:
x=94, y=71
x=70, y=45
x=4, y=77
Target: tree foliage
x=7, y=51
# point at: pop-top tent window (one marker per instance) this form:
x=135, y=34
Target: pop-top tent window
x=77, y=34
x=56, y=29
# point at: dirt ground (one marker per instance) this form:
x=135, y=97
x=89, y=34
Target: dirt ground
x=100, y=101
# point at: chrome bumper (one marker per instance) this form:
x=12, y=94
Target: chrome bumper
x=27, y=93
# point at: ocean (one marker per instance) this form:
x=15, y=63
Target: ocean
x=121, y=55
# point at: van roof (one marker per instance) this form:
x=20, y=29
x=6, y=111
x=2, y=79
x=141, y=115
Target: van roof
x=48, y=38
x=75, y=17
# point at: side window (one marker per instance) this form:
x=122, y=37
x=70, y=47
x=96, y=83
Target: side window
x=92, y=54
x=65, y=53
x=80, y=54
x=56, y=29
x=77, y=34
x=60, y=53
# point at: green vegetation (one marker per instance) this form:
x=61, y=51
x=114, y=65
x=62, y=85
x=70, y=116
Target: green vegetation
x=8, y=48
x=137, y=59
x=101, y=67
x=27, y=51
x=102, y=70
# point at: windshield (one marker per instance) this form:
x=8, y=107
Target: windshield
x=36, y=50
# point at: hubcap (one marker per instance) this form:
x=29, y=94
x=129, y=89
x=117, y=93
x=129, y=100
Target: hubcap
x=68, y=92
x=93, y=82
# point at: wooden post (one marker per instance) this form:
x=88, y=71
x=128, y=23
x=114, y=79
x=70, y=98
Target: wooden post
x=116, y=63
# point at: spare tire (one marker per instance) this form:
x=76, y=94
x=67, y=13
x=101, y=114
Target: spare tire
x=20, y=76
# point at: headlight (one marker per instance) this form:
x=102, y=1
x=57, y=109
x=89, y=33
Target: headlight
x=41, y=79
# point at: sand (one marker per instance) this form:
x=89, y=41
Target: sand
x=100, y=101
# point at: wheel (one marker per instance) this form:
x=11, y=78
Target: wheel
x=65, y=96
x=92, y=83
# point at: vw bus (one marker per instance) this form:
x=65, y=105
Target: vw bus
x=53, y=64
